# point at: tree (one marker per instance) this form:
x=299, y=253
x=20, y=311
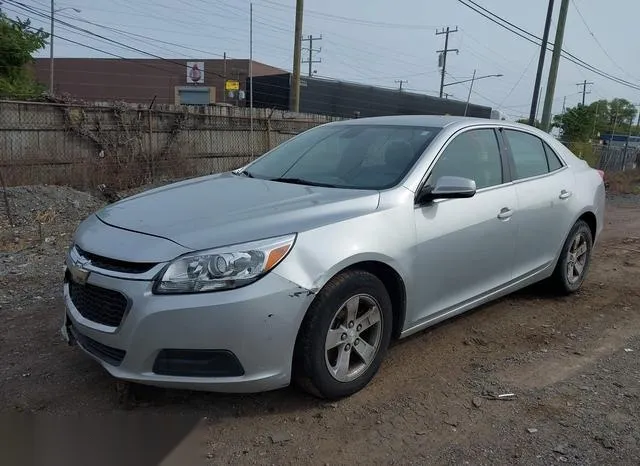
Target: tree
x=602, y=117
x=621, y=111
x=576, y=123
x=525, y=121
x=583, y=123
x=613, y=116
x=18, y=42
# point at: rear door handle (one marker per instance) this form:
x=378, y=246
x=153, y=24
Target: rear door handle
x=505, y=213
x=564, y=194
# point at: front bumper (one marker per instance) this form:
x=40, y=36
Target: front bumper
x=257, y=324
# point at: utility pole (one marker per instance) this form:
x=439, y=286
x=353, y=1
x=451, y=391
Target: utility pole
x=310, y=49
x=51, y=35
x=595, y=120
x=442, y=59
x=224, y=73
x=564, y=104
x=53, y=11
x=553, y=69
x=584, y=85
x=543, y=51
x=401, y=82
x=251, y=76
x=297, y=48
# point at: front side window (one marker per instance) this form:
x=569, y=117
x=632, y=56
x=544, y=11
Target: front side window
x=474, y=155
x=346, y=156
x=528, y=153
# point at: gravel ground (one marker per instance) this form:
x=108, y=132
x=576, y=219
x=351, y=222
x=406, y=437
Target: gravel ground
x=572, y=365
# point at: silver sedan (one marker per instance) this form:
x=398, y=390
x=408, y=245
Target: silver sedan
x=304, y=264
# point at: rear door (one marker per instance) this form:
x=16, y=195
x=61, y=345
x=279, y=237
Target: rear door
x=544, y=187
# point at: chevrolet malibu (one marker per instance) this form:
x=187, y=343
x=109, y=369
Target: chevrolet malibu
x=304, y=264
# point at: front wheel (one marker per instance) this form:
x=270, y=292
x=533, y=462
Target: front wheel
x=574, y=260
x=344, y=336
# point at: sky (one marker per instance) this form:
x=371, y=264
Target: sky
x=373, y=41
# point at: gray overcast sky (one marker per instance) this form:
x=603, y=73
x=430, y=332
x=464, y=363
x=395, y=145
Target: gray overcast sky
x=378, y=41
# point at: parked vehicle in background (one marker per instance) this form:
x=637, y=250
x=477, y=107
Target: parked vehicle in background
x=304, y=264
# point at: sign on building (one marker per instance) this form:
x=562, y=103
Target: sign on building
x=231, y=85
x=195, y=72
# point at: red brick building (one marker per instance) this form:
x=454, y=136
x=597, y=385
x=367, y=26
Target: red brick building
x=169, y=81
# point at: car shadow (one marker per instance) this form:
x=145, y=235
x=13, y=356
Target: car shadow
x=132, y=396
x=537, y=291
x=289, y=400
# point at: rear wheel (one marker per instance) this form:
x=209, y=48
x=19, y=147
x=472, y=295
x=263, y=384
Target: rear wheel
x=574, y=260
x=344, y=336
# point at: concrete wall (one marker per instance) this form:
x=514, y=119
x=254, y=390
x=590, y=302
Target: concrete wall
x=127, y=145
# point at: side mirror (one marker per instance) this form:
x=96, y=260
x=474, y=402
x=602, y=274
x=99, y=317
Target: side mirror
x=447, y=187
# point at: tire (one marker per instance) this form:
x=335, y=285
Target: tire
x=565, y=280
x=319, y=366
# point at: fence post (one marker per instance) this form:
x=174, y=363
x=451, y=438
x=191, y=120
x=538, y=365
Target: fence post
x=150, y=157
x=269, y=129
x=6, y=200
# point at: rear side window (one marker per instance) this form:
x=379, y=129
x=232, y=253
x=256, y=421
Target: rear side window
x=552, y=158
x=529, y=156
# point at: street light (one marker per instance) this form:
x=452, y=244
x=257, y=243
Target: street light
x=472, y=80
x=53, y=12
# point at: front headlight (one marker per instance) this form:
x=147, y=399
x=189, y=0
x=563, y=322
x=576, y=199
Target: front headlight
x=224, y=268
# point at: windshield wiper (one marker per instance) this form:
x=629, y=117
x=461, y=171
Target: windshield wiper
x=244, y=173
x=303, y=182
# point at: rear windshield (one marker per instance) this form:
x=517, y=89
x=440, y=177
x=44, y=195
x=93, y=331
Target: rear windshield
x=346, y=156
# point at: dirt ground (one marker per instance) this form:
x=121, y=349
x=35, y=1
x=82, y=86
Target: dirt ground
x=572, y=365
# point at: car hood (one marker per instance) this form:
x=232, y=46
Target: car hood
x=225, y=209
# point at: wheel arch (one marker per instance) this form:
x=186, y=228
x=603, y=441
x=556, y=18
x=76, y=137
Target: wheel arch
x=394, y=284
x=590, y=219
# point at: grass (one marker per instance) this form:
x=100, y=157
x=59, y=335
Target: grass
x=627, y=182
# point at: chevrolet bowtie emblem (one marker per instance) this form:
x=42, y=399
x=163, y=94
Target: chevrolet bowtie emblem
x=78, y=273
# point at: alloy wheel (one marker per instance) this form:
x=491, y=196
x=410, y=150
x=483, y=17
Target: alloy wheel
x=577, y=258
x=354, y=337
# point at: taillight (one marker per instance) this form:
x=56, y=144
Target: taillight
x=601, y=173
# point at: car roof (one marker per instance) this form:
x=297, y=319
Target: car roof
x=434, y=121
x=442, y=121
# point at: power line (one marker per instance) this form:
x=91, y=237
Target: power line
x=584, y=21
x=86, y=31
x=361, y=22
x=519, y=79
x=109, y=40
x=164, y=69
x=566, y=55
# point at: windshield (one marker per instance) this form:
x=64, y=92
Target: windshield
x=346, y=156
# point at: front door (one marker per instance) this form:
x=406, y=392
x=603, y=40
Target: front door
x=465, y=247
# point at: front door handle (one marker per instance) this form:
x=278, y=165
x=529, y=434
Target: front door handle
x=564, y=194
x=505, y=213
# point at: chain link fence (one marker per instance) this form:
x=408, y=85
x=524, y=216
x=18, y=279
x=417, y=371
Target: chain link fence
x=617, y=159
x=125, y=146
